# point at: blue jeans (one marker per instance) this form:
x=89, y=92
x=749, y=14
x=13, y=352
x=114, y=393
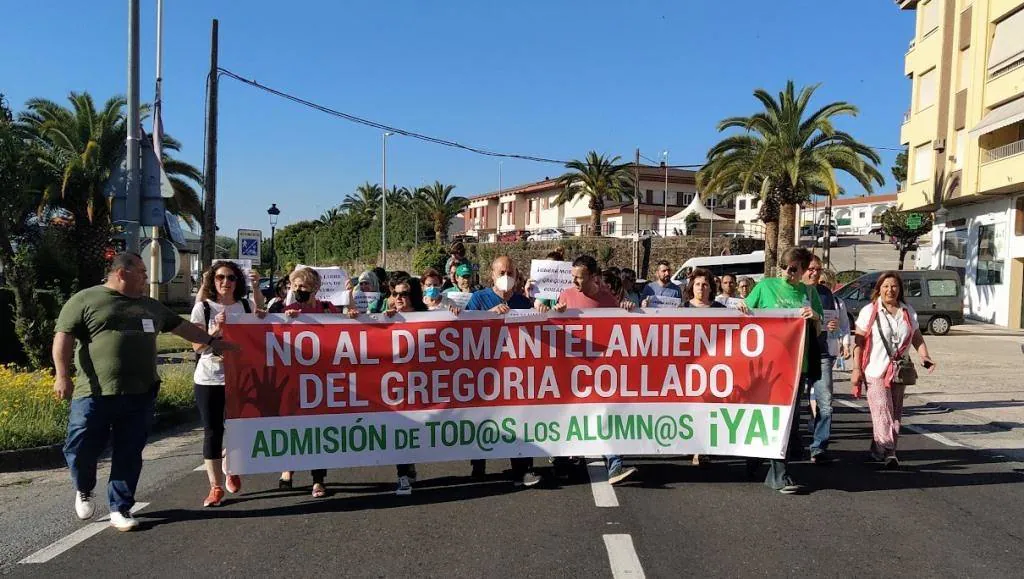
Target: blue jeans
x=126, y=419
x=819, y=425
x=612, y=462
x=778, y=469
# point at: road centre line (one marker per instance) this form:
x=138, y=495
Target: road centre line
x=622, y=557
x=63, y=544
x=604, y=494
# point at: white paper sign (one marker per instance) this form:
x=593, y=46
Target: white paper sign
x=333, y=281
x=657, y=301
x=550, y=277
x=245, y=265
x=363, y=300
x=833, y=337
x=734, y=303
x=458, y=299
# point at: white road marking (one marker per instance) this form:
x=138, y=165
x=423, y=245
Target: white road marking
x=622, y=557
x=604, y=494
x=61, y=545
x=923, y=431
x=200, y=468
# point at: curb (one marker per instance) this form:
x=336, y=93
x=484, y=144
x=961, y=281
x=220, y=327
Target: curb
x=52, y=456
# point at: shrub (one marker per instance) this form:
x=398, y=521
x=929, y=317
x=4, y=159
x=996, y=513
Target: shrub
x=429, y=256
x=845, y=277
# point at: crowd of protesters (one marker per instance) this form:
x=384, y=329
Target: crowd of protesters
x=108, y=401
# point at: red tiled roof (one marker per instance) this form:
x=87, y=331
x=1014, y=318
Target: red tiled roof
x=647, y=173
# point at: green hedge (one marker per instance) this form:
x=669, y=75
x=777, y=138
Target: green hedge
x=51, y=303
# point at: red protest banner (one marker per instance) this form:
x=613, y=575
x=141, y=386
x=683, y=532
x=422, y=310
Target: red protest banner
x=621, y=382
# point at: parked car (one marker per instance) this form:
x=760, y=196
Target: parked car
x=513, y=236
x=744, y=264
x=465, y=239
x=549, y=234
x=833, y=239
x=265, y=289
x=937, y=295
x=645, y=234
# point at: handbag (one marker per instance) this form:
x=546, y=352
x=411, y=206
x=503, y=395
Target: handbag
x=904, y=373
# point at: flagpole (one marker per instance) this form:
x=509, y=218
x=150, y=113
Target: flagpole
x=154, y=246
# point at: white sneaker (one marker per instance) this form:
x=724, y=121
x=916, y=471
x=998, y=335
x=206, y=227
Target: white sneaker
x=123, y=521
x=404, y=487
x=83, y=505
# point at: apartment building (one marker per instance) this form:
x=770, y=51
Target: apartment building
x=851, y=215
x=965, y=136
x=531, y=207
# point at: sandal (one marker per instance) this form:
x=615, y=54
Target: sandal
x=319, y=491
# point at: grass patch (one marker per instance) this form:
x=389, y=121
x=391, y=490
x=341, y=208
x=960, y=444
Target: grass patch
x=167, y=342
x=29, y=416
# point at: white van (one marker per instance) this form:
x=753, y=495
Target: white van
x=745, y=264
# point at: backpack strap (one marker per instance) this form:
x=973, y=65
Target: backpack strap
x=206, y=314
x=246, y=306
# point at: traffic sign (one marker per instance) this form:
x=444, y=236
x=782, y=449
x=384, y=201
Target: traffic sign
x=914, y=221
x=249, y=241
x=170, y=260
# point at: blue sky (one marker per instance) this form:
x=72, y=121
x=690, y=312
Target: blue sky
x=552, y=79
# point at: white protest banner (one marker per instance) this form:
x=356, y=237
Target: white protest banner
x=326, y=391
x=333, y=282
x=550, y=277
x=458, y=299
x=363, y=300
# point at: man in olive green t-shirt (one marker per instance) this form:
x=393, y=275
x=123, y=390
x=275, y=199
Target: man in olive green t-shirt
x=788, y=292
x=115, y=327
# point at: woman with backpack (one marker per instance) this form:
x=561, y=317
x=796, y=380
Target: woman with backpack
x=223, y=292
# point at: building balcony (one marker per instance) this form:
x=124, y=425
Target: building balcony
x=1002, y=169
x=1005, y=86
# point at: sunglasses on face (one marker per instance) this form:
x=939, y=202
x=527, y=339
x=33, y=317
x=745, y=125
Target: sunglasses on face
x=229, y=277
x=792, y=270
x=404, y=295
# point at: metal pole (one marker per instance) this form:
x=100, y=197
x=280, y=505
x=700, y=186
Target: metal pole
x=665, y=164
x=154, y=246
x=826, y=252
x=636, y=214
x=273, y=257
x=210, y=175
x=383, y=204
x=134, y=181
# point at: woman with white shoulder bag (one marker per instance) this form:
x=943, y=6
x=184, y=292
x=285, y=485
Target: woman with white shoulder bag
x=886, y=330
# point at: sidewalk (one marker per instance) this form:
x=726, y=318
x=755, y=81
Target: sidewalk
x=975, y=397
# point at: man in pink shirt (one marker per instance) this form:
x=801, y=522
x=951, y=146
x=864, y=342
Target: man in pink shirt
x=588, y=293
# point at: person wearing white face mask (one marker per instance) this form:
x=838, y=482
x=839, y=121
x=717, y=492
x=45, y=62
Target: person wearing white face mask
x=500, y=299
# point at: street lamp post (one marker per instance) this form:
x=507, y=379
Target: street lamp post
x=273, y=212
x=664, y=164
x=383, y=203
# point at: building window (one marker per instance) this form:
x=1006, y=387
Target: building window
x=965, y=69
x=954, y=251
x=929, y=17
x=742, y=204
x=960, y=150
x=861, y=214
x=990, y=255
x=609, y=227
x=923, y=162
x=926, y=89
x=1007, y=44
x=755, y=202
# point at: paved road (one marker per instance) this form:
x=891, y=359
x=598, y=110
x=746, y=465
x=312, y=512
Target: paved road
x=950, y=512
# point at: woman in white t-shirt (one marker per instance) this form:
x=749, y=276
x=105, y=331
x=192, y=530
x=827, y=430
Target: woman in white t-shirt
x=887, y=320
x=223, y=292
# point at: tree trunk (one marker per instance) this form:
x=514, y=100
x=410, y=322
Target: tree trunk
x=91, y=243
x=33, y=328
x=595, y=222
x=771, y=247
x=903, y=255
x=787, y=223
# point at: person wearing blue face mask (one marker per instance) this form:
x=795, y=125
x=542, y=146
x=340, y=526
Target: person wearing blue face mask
x=431, y=282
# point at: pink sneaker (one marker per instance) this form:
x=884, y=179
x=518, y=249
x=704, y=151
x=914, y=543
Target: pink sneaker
x=233, y=483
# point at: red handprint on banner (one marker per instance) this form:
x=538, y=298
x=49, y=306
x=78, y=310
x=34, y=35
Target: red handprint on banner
x=264, y=394
x=758, y=390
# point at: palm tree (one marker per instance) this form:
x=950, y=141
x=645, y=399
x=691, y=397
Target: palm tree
x=436, y=203
x=185, y=203
x=599, y=180
x=78, y=148
x=397, y=198
x=364, y=203
x=787, y=155
x=330, y=216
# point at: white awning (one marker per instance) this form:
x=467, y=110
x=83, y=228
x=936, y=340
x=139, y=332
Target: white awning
x=1000, y=117
x=1008, y=42
x=697, y=206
